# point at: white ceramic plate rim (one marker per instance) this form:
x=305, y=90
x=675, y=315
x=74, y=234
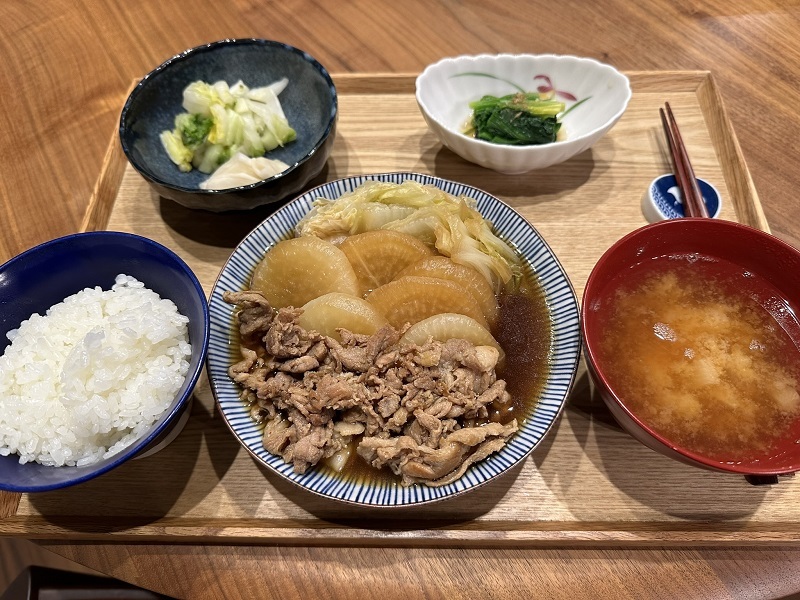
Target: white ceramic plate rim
x=565, y=352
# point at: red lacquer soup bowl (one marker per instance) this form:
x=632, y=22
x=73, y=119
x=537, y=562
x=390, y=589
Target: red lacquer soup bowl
x=691, y=336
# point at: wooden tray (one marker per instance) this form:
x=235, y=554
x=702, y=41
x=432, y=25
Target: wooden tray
x=588, y=482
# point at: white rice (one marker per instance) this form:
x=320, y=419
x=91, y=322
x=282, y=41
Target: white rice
x=91, y=376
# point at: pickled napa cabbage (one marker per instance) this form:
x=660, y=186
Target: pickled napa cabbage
x=221, y=120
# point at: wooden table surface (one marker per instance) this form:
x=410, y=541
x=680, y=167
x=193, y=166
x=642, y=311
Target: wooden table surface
x=65, y=71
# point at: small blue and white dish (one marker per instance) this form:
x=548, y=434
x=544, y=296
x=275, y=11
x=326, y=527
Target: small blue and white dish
x=663, y=199
x=309, y=102
x=45, y=275
x=356, y=489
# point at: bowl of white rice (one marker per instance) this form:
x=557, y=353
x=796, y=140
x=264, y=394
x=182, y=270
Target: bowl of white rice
x=103, y=337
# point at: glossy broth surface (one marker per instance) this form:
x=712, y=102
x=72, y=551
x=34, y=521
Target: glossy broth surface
x=704, y=353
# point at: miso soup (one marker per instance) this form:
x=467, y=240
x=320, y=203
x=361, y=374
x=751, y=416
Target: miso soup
x=704, y=353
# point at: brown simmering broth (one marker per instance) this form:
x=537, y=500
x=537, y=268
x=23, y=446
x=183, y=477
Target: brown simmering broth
x=704, y=355
x=525, y=332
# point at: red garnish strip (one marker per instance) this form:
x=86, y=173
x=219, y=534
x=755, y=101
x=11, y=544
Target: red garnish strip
x=543, y=89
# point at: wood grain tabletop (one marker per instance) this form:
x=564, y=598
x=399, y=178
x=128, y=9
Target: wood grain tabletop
x=65, y=73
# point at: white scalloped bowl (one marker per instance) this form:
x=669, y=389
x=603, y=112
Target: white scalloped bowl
x=445, y=89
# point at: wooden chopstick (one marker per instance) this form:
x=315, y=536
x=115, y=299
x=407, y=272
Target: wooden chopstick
x=684, y=173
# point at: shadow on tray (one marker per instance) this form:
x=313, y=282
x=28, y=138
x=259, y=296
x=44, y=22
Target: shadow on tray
x=655, y=481
x=544, y=185
x=222, y=229
x=144, y=490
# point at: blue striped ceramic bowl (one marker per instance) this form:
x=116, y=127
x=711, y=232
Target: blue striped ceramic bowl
x=510, y=225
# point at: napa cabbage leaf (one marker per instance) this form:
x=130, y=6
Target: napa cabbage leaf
x=451, y=224
x=221, y=121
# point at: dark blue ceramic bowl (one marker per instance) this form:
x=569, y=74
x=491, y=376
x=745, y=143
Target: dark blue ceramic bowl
x=309, y=102
x=43, y=276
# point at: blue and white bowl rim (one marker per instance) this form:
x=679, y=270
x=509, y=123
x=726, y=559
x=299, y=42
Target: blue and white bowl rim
x=510, y=225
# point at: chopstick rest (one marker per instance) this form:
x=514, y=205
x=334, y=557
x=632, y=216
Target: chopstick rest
x=663, y=199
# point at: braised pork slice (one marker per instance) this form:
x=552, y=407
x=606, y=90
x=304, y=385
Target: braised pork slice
x=421, y=411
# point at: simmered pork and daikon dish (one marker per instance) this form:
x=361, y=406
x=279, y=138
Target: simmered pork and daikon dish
x=395, y=335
